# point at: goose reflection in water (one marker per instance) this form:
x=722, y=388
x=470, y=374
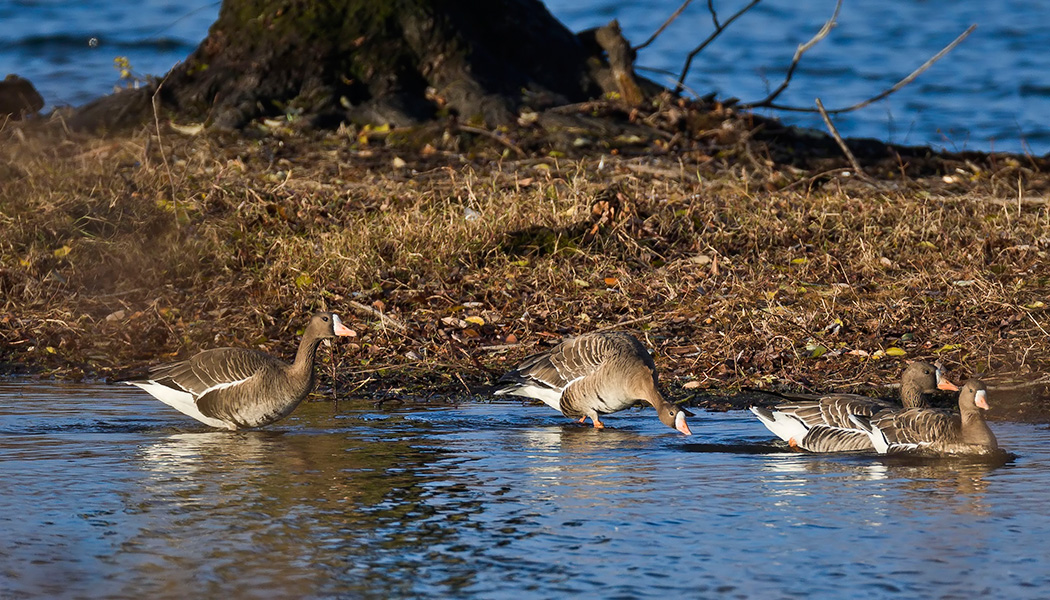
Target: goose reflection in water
x=358, y=502
x=923, y=480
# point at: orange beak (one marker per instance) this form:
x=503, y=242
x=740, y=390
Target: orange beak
x=943, y=383
x=340, y=329
x=680, y=424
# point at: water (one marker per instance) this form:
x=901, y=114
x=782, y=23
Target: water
x=108, y=493
x=991, y=93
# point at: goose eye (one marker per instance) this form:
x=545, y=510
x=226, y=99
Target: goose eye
x=325, y=319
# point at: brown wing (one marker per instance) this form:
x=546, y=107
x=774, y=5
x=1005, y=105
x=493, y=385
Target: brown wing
x=822, y=438
x=571, y=360
x=917, y=426
x=209, y=375
x=834, y=410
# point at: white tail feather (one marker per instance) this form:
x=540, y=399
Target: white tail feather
x=784, y=426
x=184, y=402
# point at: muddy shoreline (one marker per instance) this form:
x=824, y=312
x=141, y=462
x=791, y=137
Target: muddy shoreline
x=744, y=254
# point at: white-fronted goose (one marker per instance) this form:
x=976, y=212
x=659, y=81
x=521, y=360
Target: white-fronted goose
x=590, y=375
x=822, y=423
x=930, y=431
x=234, y=388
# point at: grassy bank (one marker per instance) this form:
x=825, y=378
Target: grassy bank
x=738, y=269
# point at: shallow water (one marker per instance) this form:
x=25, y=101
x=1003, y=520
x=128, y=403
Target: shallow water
x=991, y=93
x=107, y=493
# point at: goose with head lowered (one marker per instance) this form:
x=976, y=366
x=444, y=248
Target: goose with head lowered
x=932, y=432
x=590, y=375
x=822, y=423
x=236, y=388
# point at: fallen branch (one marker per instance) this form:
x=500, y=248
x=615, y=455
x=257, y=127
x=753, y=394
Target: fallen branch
x=385, y=320
x=718, y=31
x=1042, y=381
x=896, y=87
x=492, y=135
x=802, y=49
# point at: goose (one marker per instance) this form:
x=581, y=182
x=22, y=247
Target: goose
x=822, y=423
x=235, y=388
x=934, y=432
x=590, y=375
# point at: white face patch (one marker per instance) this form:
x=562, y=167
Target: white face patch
x=335, y=321
x=981, y=399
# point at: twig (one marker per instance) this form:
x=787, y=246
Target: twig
x=671, y=77
x=842, y=144
x=385, y=320
x=1037, y=324
x=802, y=49
x=1022, y=386
x=664, y=26
x=498, y=347
x=163, y=155
x=623, y=323
x=718, y=31
x=714, y=13
x=896, y=87
x=495, y=136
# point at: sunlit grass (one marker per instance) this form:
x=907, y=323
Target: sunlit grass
x=114, y=255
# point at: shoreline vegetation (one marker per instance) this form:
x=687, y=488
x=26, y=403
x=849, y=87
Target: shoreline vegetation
x=746, y=254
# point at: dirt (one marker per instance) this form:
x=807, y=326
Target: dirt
x=745, y=253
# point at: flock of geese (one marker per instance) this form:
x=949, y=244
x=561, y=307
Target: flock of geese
x=584, y=377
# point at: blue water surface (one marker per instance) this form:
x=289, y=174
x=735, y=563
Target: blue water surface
x=991, y=93
x=108, y=493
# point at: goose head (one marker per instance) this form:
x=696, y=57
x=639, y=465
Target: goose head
x=674, y=416
x=641, y=384
x=326, y=325
x=974, y=394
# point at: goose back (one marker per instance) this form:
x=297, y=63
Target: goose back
x=933, y=431
x=824, y=424
x=591, y=375
x=239, y=387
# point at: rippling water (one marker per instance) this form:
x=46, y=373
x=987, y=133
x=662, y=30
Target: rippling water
x=991, y=93
x=107, y=493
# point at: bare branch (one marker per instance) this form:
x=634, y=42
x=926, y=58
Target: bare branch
x=384, y=320
x=896, y=87
x=714, y=13
x=842, y=144
x=664, y=26
x=802, y=49
x=671, y=78
x=718, y=31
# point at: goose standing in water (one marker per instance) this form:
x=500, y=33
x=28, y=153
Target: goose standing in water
x=932, y=432
x=590, y=375
x=234, y=388
x=822, y=423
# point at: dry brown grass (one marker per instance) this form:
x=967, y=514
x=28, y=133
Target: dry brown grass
x=737, y=271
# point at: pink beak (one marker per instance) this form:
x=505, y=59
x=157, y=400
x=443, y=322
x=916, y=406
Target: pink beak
x=681, y=425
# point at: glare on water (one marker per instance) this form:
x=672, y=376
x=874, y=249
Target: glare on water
x=109, y=493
